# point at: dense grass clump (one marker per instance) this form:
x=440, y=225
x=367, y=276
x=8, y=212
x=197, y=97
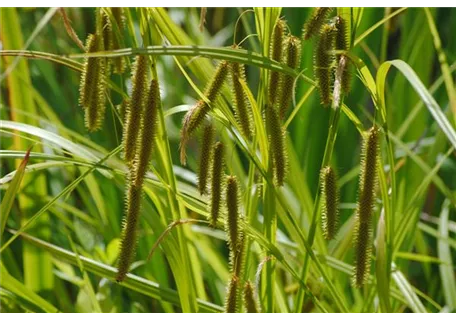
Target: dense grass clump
x=179, y=160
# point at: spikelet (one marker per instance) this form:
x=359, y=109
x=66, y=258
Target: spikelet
x=365, y=206
x=119, y=18
x=330, y=207
x=276, y=54
x=293, y=55
x=216, y=186
x=323, y=60
x=93, y=85
x=195, y=116
x=215, y=85
x=147, y=132
x=135, y=107
x=343, y=43
x=192, y=120
x=231, y=296
x=317, y=19
x=88, y=75
x=205, y=158
x=232, y=205
x=277, y=145
x=105, y=31
x=122, y=109
x=129, y=229
x=242, y=109
x=250, y=302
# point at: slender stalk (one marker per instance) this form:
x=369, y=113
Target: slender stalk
x=334, y=124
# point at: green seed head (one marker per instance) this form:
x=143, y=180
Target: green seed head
x=293, y=55
x=105, y=31
x=216, y=187
x=205, y=158
x=232, y=204
x=87, y=81
x=277, y=145
x=323, y=62
x=129, y=229
x=343, y=43
x=119, y=19
x=276, y=54
x=250, y=302
x=192, y=120
x=215, y=85
x=135, y=107
x=362, y=242
x=365, y=207
x=231, y=296
x=317, y=19
x=330, y=205
x=147, y=132
x=242, y=109
x=92, y=95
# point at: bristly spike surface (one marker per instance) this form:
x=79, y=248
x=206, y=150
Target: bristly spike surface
x=293, y=56
x=276, y=54
x=147, y=132
x=250, y=302
x=330, y=202
x=343, y=43
x=88, y=76
x=129, y=229
x=365, y=207
x=119, y=18
x=317, y=19
x=215, y=85
x=231, y=296
x=277, y=145
x=216, y=183
x=232, y=204
x=192, y=120
x=242, y=109
x=196, y=115
x=323, y=62
x=135, y=107
x=205, y=158
x=93, y=85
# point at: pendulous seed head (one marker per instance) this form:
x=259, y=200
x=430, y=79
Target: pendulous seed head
x=119, y=19
x=205, y=158
x=105, y=31
x=147, y=132
x=231, y=296
x=276, y=54
x=216, y=186
x=323, y=62
x=92, y=95
x=343, y=43
x=232, y=205
x=365, y=207
x=330, y=205
x=192, y=120
x=293, y=55
x=135, y=107
x=129, y=229
x=242, y=109
x=215, y=85
x=313, y=26
x=362, y=242
x=250, y=302
x=277, y=145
